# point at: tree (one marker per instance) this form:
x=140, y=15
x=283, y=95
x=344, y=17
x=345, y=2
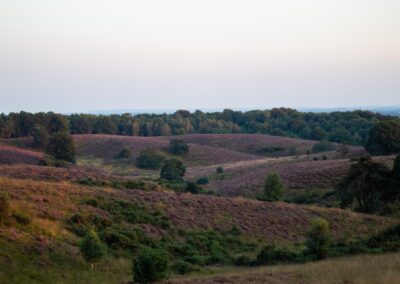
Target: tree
x=91, y=247
x=179, y=147
x=343, y=150
x=173, y=170
x=384, y=138
x=193, y=188
x=150, y=159
x=4, y=207
x=150, y=266
x=273, y=187
x=40, y=136
x=61, y=147
x=365, y=185
x=319, y=239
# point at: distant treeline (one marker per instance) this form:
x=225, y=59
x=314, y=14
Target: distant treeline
x=342, y=127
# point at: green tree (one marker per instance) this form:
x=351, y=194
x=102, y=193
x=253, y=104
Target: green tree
x=4, y=207
x=173, y=170
x=40, y=136
x=323, y=146
x=61, y=146
x=364, y=186
x=273, y=187
x=150, y=159
x=179, y=147
x=319, y=239
x=150, y=266
x=91, y=247
x=384, y=138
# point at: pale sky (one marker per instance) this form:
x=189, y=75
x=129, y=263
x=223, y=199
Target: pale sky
x=81, y=55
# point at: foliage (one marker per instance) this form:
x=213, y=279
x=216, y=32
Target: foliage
x=4, y=207
x=40, y=136
x=124, y=154
x=203, y=181
x=193, y=188
x=219, y=170
x=91, y=247
x=173, y=170
x=365, y=184
x=343, y=150
x=323, y=146
x=178, y=147
x=384, y=138
x=150, y=266
x=271, y=254
x=150, y=159
x=273, y=188
x=341, y=127
x=61, y=146
x=319, y=239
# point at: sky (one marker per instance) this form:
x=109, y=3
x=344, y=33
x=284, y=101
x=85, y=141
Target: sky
x=83, y=55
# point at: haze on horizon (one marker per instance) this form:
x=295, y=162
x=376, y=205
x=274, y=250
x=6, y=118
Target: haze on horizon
x=71, y=56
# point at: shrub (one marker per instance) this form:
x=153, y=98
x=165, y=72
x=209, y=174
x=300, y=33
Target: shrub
x=173, y=170
x=324, y=157
x=202, y=181
x=319, y=239
x=21, y=218
x=343, y=150
x=124, y=154
x=323, y=146
x=150, y=266
x=4, y=207
x=150, y=159
x=91, y=247
x=40, y=136
x=242, y=260
x=272, y=255
x=193, y=188
x=219, y=170
x=61, y=147
x=182, y=267
x=273, y=187
x=178, y=147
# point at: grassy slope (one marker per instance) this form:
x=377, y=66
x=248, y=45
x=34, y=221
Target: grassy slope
x=362, y=269
x=45, y=251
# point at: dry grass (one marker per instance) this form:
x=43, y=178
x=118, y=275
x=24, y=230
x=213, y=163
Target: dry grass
x=362, y=269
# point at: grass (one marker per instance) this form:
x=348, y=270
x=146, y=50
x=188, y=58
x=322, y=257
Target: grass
x=361, y=269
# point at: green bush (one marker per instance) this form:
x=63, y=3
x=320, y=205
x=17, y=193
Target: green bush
x=319, y=239
x=273, y=188
x=203, y=181
x=219, y=170
x=61, y=146
x=4, y=207
x=193, y=188
x=243, y=260
x=150, y=159
x=183, y=267
x=173, y=170
x=384, y=138
x=91, y=247
x=150, y=266
x=273, y=255
x=40, y=136
x=178, y=147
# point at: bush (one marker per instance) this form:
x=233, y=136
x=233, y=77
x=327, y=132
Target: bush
x=40, y=136
x=273, y=255
x=49, y=161
x=318, y=239
x=202, y=181
x=273, y=187
x=173, y=170
x=323, y=146
x=124, y=154
x=178, y=147
x=4, y=207
x=91, y=247
x=150, y=266
x=182, y=267
x=193, y=188
x=61, y=147
x=150, y=159
x=21, y=218
x=242, y=261
x=219, y=170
